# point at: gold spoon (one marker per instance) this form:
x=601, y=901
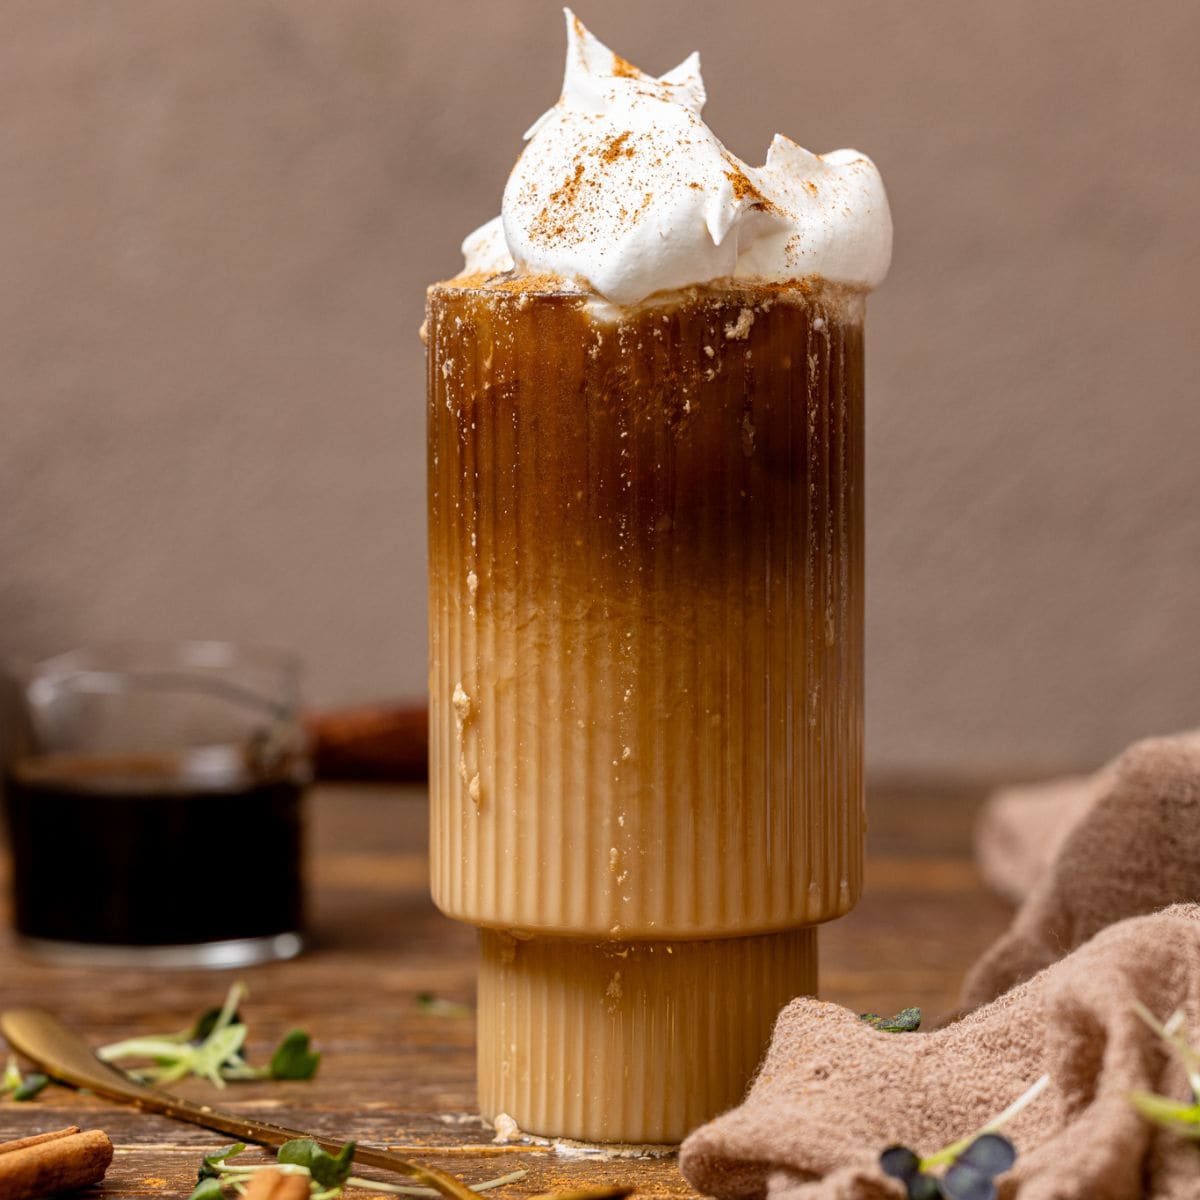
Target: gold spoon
x=64, y=1055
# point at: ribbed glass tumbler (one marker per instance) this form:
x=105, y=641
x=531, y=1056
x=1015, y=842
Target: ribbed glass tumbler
x=646, y=618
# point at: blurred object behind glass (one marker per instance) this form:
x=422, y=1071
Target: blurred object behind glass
x=153, y=796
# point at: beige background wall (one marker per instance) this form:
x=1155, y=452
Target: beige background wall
x=217, y=218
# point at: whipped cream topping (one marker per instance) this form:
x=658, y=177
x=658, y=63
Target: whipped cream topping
x=624, y=189
x=485, y=252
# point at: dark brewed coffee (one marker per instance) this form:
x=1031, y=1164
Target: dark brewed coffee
x=148, y=850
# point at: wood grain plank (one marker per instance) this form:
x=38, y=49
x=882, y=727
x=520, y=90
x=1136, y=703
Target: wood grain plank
x=394, y=1075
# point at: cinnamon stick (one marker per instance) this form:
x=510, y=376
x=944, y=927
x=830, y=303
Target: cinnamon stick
x=276, y=1185
x=372, y=741
x=62, y=1161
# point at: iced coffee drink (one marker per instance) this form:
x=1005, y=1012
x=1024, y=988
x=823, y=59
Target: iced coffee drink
x=646, y=588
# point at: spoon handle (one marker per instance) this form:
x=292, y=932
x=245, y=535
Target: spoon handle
x=62, y=1053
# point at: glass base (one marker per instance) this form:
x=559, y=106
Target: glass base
x=629, y=1042
x=236, y=952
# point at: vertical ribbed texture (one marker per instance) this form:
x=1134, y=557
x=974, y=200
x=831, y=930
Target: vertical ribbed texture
x=645, y=546
x=633, y=1042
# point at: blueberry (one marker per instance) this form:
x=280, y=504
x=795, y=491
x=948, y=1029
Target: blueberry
x=962, y=1182
x=990, y=1153
x=899, y=1162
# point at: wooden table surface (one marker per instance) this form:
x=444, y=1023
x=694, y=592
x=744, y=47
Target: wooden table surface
x=394, y=1074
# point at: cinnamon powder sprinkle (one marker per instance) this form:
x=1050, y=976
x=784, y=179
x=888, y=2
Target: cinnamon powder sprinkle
x=512, y=284
x=806, y=289
x=567, y=192
x=616, y=148
x=552, y=220
x=743, y=189
x=541, y=283
x=624, y=69
x=565, y=207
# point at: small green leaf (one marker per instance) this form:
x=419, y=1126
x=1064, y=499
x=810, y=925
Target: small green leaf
x=299, y=1151
x=212, y=1048
x=209, y=1188
x=332, y=1170
x=208, y=1168
x=12, y=1076
x=21, y=1087
x=907, y=1020
x=206, y=1022
x=30, y=1086
x=211, y=1055
x=436, y=1006
x=293, y=1058
x=327, y=1169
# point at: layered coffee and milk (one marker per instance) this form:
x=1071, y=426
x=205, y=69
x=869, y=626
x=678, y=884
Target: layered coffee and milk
x=646, y=559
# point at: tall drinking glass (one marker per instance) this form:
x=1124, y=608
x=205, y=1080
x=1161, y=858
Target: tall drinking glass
x=646, y=623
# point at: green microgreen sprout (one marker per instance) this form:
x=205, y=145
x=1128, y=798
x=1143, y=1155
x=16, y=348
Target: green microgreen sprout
x=907, y=1020
x=211, y=1047
x=972, y=1163
x=1179, y=1116
x=437, y=1006
x=294, y=1057
x=328, y=1174
x=18, y=1086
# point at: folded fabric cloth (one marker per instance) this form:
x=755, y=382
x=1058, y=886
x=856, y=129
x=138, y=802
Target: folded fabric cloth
x=834, y=1092
x=1128, y=842
x=1020, y=829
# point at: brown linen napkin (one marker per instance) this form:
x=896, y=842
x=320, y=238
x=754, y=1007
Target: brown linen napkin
x=1131, y=846
x=1020, y=829
x=833, y=1092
